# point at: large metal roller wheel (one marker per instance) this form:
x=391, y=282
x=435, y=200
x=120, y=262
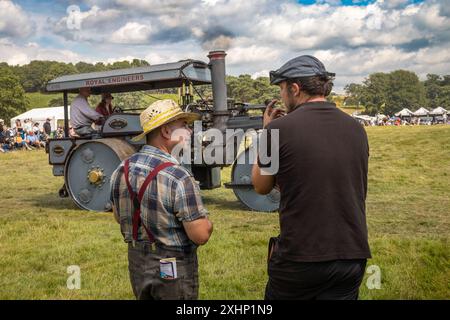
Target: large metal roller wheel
x=242, y=174
x=88, y=171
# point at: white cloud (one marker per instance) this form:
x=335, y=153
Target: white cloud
x=262, y=73
x=157, y=7
x=17, y=54
x=13, y=21
x=132, y=33
x=259, y=35
x=241, y=54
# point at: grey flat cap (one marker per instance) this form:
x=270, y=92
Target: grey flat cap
x=299, y=67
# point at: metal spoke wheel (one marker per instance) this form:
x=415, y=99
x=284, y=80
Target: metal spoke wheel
x=241, y=175
x=88, y=171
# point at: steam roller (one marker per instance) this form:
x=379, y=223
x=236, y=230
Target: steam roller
x=87, y=163
x=88, y=171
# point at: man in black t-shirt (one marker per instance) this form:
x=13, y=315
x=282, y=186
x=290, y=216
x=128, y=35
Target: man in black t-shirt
x=47, y=127
x=323, y=160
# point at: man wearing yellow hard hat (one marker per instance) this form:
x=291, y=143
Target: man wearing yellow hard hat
x=158, y=205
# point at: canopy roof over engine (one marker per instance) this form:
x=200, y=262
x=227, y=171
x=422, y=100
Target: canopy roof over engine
x=160, y=76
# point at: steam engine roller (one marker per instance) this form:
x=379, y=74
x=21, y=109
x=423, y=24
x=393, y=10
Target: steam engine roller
x=87, y=163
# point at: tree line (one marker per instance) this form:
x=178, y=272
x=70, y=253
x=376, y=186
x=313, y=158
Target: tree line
x=378, y=93
x=17, y=80
x=388, y=93
x=34, y=76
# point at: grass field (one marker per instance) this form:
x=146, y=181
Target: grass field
x=351, y=109
x=40, y=100
x=408, y=210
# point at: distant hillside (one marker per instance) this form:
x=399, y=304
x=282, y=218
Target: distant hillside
x=40, y=100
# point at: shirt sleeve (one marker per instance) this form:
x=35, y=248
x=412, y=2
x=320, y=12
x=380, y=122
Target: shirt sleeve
x=87, y=111
x=115, y=192
x=188, y=204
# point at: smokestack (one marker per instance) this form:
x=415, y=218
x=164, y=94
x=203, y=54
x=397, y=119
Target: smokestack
x=219, y=87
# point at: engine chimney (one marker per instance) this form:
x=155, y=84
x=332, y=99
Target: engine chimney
x=219, y=87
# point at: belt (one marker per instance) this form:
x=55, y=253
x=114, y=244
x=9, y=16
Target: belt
x=146, y=245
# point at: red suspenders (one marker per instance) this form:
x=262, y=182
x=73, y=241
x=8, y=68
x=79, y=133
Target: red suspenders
x=137, y=198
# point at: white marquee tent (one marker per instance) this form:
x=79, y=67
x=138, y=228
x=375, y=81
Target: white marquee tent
x=56, y=114
x=421, y=112
x=438, y=111
x=404, y=113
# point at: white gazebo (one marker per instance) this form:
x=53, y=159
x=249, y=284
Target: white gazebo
x=421, y=112
x=405, y=112
x=39, y=115
x=439, y=111
x=439, y=114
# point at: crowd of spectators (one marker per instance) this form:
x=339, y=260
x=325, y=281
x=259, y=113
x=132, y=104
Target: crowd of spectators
x=25, y=136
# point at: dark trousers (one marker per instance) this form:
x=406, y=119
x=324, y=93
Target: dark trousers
x=330, y=280
x=147, y=284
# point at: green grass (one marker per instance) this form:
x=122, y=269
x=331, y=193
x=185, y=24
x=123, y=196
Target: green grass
x=408, y=210
x=41, y=100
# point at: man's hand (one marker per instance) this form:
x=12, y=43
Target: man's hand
x=100, y=121
x=272, y=113
x=262, y=183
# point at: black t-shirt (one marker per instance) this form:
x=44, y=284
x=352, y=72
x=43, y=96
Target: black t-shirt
x=323, y=162
x=47, y=128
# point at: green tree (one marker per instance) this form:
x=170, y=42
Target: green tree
x=12, y=96
x=130, y=100
x=119, y=65
x=353, y=93
x=374, y=93
x=56, y=70
x=390, y=92
x=139, y=63
x=100, y=66
x=437, y=90
x=404, y=91
x=32, y=75
x=245, y=89
x=265, y=91
x=84, y=67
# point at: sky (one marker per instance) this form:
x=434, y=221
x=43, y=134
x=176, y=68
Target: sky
x=353, y=38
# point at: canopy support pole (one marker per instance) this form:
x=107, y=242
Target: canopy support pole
x=66, y=115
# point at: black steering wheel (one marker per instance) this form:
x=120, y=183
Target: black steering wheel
x=117, y=110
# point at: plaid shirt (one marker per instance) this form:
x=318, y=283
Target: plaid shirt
x=171, y=198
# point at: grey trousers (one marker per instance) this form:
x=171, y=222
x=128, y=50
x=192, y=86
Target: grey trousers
x=147, y=284
x=85, y=131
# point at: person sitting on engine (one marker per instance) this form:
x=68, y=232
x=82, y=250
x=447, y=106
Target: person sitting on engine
x=105, y=107
x=82, y=116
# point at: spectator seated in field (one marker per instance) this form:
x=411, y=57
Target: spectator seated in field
x=36, y=129
x=42, y=137
x=27, y=125
x=8, y=143
x=59, y=134
x=18, y=126
x=19, y=142
x=2, y=135
x=2, y=131
x=32, y=140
